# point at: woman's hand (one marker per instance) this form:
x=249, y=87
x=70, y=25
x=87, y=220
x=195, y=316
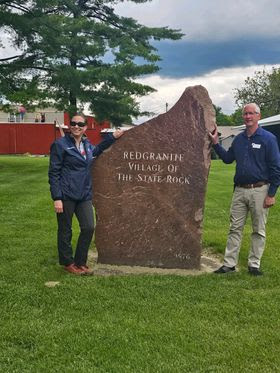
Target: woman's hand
x=118, y=133
x=58, y=206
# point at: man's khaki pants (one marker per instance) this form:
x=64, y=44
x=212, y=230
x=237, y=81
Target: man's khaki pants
x=243, y=202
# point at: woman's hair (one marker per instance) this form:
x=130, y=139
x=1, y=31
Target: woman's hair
x=79, y=115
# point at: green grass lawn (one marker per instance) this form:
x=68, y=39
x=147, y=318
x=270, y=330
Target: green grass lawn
x=144, y=323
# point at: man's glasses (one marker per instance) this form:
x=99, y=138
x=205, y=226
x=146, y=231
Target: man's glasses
x=80, y=124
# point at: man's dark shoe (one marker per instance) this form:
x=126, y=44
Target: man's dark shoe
x=224, y=269
x=255, y=271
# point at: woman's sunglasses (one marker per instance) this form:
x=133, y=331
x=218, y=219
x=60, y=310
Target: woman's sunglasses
x=80, y=124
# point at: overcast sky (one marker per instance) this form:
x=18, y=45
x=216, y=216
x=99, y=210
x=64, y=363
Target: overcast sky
x=224, y=42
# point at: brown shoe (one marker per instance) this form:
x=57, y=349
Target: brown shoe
x=86, y=269
x=72, y=268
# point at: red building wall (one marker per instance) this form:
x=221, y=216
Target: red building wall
x=36, y=138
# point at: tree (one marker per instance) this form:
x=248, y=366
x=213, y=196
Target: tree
x=74, y=53
x=221, y=118
x=263, y=89
x=237, y=117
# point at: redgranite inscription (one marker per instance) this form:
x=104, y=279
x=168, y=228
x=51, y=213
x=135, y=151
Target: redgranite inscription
x=158, y=170
x=149, y=189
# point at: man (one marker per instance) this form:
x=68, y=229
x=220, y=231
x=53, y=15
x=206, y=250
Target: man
x=70, y=180
x=256, y=180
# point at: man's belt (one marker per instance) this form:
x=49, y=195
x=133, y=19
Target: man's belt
x=255, y=185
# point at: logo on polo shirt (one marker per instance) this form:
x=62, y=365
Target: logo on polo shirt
x=256, y=146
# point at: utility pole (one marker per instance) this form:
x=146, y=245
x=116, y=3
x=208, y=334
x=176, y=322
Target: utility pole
x=166, y=107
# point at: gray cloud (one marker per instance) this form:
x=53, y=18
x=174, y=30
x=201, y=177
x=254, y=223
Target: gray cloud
x=209, y=20
x=189, y=58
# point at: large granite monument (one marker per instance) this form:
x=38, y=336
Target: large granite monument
x=149, y=188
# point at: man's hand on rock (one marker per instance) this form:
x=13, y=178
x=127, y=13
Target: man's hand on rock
x=214, y=136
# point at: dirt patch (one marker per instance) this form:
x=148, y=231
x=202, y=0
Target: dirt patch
x=51, y=284
x=209, y=262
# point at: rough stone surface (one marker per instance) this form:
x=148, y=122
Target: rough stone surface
x=149, y=188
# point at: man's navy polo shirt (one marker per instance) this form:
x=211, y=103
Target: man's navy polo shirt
x=257, y=158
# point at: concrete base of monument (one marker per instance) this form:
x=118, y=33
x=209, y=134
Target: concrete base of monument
x=209, y=263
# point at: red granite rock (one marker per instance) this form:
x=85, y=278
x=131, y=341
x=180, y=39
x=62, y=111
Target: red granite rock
x=149, y=188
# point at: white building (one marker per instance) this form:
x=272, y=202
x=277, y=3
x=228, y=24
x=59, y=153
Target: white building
x=51, y=116
x=227, y=134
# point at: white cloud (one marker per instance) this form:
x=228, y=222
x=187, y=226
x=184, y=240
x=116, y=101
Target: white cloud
x=209, y=20
x=219, y=83
x=6, y=50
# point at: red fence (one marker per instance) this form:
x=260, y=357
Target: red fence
x=34, y=138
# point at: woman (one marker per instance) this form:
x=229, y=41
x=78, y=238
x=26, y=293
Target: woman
x=70, y=181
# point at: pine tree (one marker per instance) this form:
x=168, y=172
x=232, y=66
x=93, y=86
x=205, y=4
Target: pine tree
x=74, y=54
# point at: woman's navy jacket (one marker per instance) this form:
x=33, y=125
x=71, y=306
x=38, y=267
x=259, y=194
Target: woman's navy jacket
x=70, y=176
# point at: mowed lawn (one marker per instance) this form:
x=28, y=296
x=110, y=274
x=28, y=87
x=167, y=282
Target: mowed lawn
x=143, y=323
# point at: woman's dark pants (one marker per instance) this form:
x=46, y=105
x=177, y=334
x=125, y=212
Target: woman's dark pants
x=84, y=213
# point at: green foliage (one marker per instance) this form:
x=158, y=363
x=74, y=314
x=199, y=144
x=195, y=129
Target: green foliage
x=75, y=53
x=234, y=119
x=237, y=117
x=263, y=89
x=129, y=323
x=221, y=118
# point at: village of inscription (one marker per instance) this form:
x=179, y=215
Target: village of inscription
x=157, y=172
x=149, y=188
